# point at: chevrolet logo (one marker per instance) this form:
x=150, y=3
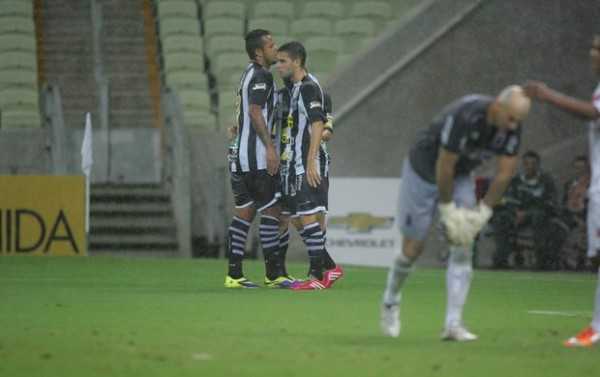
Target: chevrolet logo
x=361, y=222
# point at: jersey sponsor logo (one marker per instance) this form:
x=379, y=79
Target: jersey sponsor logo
x=262, y=86
x=314, y=104
x=361, y=222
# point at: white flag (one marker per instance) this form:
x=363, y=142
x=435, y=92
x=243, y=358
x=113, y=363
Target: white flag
x=86, y=147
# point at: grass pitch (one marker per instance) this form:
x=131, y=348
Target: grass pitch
x=118, y=317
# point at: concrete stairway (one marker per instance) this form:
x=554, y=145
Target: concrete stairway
x=68, y=57
x=132, y=220
x=125, y=63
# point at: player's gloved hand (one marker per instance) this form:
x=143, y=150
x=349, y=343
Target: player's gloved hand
x=478, y=217
x=456, y=224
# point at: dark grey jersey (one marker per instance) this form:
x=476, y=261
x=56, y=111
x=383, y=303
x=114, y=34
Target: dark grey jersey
x=462, y=128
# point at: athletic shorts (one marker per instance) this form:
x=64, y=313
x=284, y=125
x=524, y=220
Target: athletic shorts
x=310, y=200
x=418, y=200
x=255, y=188
x=593, y=225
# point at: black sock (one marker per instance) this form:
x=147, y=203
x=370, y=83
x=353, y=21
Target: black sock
x=328, y=261
x=313, y=238
x=269, y=239
x=238, y=233
x=284, y=241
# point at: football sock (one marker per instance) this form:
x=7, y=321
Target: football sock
x=269, y=239
x=458, y=282
x=313, y=239
x=284, y=241
x=399, y=271
x=237, y=235
x=596, y=317
x=328, y=262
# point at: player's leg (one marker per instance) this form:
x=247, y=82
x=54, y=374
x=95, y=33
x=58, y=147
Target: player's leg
x=238, y=232
x=266, y=193
x=460, y=270
x=416, y=206
x=591, y=334
x=284, y=238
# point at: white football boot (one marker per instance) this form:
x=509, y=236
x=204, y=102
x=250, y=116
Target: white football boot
x=458, y=333
x=390, y=320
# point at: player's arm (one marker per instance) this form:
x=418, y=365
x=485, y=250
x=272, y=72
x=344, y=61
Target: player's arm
x=315, y=113
x=583, y=109
x=506, y=167
x=312, y=173
x=444, y=174
x=328, y=127
x=258, y=93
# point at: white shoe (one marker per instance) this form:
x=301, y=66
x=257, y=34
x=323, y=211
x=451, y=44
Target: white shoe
x=390, y=320
x=458, y=333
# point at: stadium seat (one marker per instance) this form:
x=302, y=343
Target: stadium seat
x=225, y=43
x=18, y=60
x=16, y=25
x=277, y=26
x=187, y=80
x=305, y=28
x=227, y=110
x=199, y=119
x=18, y=99
x=322, y=53
x=378, y=11
x=20, y=78
x=19, y=119
x=332, y=10
x=198, y=100
x=223, y=26
x=179, y=26
x=182, y=43
x=226, y=8
x=353, y=29
x=227, y=64
x=177, y=9
x=274, y=9
x=183, y=61
x=16, y=8
x=17, y=42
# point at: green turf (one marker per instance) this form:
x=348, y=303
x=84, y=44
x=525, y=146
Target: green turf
x=118, y=317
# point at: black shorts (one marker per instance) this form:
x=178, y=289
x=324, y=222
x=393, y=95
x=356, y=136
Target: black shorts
x=256, y=188
x=288, y=191
x=311, y=200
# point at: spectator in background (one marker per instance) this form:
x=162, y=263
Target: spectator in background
x=527, y=204
x=572, y=216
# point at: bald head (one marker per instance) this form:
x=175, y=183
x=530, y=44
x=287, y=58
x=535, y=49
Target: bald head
x=514, y=99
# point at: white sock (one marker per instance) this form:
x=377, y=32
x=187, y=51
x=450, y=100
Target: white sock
x=399, y=271
x=458, y=282
x=596, y=318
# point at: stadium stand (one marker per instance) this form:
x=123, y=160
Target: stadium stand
x=19, y=98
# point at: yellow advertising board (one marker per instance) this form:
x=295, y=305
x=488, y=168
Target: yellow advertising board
x=42, y=215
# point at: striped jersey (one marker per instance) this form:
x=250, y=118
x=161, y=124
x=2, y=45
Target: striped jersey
x=256, y=88
x=307, y=106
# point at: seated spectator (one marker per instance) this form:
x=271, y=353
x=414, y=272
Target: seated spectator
x=572, y=216
x=528, y=204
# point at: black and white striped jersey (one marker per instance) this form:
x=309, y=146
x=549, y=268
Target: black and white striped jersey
x=256, y=88
x=307, y=107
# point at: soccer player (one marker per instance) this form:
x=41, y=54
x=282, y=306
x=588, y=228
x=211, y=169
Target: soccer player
x=285, y=122
x=437, y=171
x=306, y=120
x=589, y=110
x=254, y=165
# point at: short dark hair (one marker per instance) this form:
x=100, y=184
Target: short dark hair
x=254, y=40
x=296, y=51
x=532, y=154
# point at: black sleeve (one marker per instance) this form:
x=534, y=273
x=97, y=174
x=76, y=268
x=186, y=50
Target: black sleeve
x=313, y=103
x=454, y=132
x=259, y=87
x=328, y=103
x=513, y=143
